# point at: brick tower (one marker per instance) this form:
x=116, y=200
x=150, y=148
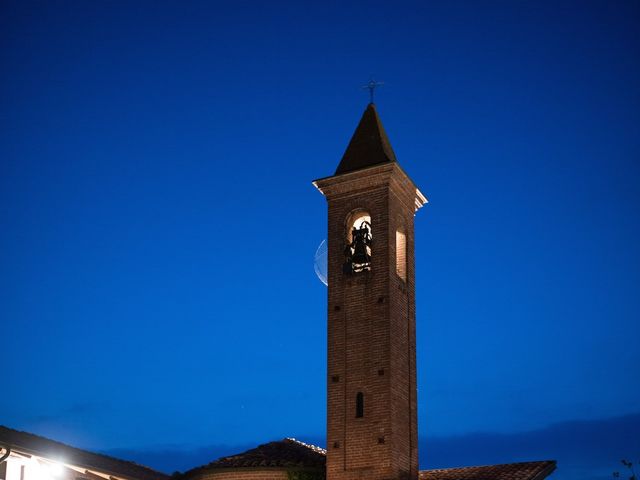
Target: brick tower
x=371, y=391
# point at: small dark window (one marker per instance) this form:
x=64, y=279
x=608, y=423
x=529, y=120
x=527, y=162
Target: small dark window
x=359, y=405
x=336, y=444
x=335, y=378
x=381, y=440
x=337, y=308
x=381, y=372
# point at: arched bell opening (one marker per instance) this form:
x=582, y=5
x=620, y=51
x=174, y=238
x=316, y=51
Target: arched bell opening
x=359, y=237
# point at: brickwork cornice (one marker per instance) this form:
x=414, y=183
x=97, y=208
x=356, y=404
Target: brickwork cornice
x=355, y=183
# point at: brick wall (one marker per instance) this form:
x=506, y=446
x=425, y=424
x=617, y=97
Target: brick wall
x=242, y=474
x=371, y=331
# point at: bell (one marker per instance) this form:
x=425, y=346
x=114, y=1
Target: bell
x=361, y=254
x=361, y=246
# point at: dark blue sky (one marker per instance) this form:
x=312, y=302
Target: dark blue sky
x=158, y=223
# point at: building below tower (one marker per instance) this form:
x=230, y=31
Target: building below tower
x=24, y=456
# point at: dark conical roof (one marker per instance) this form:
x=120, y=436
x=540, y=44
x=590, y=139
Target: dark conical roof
x=369, y=145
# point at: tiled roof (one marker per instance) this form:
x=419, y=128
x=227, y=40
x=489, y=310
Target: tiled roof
x=508, y=471
x=36, y=445
x=291, y=453
x=286, y=453
x=369, y=145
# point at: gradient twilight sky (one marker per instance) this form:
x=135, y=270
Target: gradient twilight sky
x=158, y=222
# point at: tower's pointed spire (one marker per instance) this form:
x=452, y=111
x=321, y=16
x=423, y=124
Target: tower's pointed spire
x=369, y=145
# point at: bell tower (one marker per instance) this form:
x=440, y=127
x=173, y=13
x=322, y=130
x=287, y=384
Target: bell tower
x=371, y=368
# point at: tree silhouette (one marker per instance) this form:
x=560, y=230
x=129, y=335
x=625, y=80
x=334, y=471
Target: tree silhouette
x=629, y=466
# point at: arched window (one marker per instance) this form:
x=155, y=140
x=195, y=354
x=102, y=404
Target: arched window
x=358, y=242
x=401, y=254
x=359, y=405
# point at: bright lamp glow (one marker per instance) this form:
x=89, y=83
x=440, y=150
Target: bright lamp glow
x=56, y=470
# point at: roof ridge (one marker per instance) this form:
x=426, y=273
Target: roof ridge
x=533, y=462
x=310, y=446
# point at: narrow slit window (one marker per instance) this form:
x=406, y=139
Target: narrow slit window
x=359, y=405
x=401, y=255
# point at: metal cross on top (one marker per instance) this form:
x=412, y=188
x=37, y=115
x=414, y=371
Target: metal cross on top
x=372, y=86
